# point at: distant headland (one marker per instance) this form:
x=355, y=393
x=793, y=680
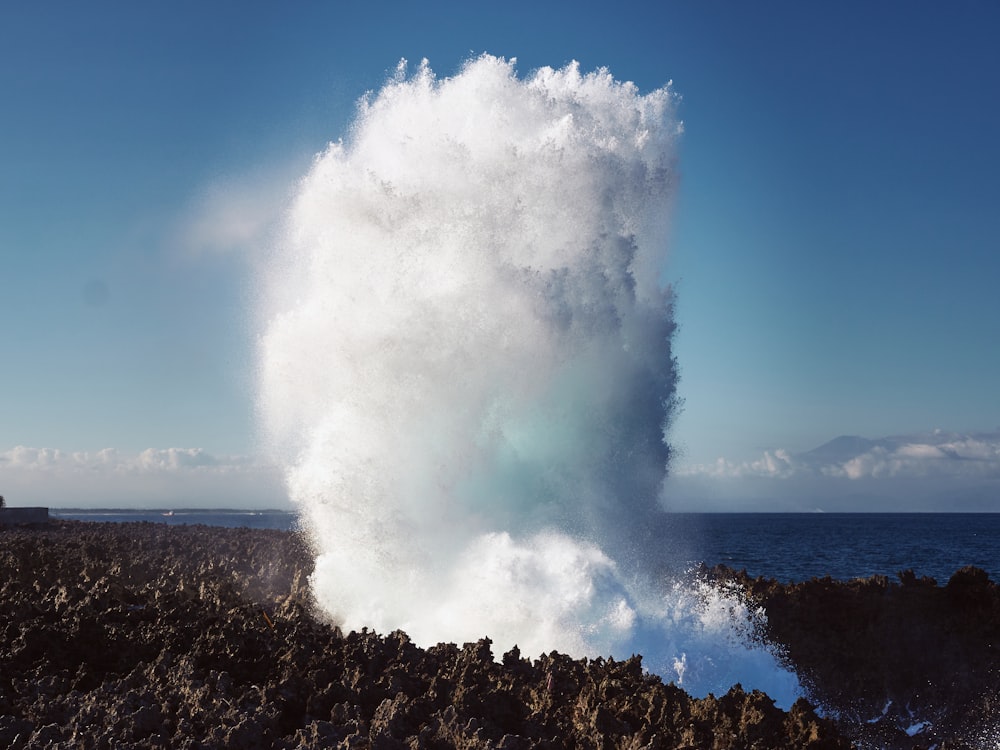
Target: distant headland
x=21, y=516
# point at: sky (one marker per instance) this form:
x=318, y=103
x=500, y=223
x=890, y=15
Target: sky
x=833, y=247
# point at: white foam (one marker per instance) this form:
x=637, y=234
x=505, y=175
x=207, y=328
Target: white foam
x=467, y=372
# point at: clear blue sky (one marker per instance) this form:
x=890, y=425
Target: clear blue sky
x=836, y=232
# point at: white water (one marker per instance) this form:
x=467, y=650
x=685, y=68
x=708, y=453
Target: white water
x=467, y=373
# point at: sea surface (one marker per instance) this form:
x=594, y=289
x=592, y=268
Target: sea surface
x=784, y=546
x=799, y=546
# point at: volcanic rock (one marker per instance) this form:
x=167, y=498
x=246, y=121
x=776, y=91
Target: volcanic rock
x=900, y=663
x=143, y=635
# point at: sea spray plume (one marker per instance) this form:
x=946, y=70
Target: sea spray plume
x=467, y=368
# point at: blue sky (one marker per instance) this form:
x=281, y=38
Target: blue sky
x=834, y=246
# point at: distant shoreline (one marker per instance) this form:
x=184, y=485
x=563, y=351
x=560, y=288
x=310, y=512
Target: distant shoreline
x=270, y=518
x=679, y=513
x=175, y=510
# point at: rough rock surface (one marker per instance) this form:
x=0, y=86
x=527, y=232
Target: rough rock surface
x=902, y=663
x=149, y=636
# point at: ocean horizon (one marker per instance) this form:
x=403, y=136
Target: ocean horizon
x=786, y=546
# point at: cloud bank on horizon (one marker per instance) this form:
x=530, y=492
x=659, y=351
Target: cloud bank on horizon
x=930, y=471
x=153, y=478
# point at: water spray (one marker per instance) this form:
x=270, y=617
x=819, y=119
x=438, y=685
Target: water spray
x=467, y=371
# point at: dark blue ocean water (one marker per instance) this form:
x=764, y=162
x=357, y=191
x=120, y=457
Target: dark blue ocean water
x=785, y=546
x=799, y=546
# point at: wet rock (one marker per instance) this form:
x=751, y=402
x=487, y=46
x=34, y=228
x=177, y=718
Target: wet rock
x=905, y=664
x=14, y=732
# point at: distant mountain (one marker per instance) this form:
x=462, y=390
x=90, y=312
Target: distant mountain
x=938, y=470
x=838, y=451
x=907, y=451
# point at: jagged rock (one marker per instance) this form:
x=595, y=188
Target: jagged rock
x=886, y=657
x=144, y=635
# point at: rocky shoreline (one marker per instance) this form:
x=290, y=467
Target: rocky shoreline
x=144, y=635
x=890, y=655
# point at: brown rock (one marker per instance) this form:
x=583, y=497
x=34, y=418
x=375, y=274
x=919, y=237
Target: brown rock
x=117, y=635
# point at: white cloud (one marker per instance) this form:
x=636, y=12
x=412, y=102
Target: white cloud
x=931, y=455
x=167, y=477
x=170, y=459
x=772, y=464
x=907, y=456
x=918, y=451
x=23, y=457
x=927, y=471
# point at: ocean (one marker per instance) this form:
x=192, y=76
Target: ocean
x=784, y=546
x=799, y=546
